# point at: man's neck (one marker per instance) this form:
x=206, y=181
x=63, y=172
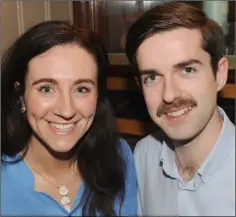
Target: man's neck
x=190, y=156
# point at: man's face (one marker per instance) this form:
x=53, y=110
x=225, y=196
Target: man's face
x=179, y=86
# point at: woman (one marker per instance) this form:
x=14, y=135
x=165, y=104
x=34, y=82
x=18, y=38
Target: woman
x=60, y=153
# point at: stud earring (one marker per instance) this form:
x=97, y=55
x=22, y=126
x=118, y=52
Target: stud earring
x=23, y=109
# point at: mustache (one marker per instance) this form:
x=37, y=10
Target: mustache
x=180, y=103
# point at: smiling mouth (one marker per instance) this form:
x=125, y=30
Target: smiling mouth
x=178, y=114
x=62, y=127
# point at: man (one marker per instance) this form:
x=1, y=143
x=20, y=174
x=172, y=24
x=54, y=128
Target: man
x=188, y=168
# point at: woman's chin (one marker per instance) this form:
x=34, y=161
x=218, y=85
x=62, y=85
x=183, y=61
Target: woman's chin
x=61, y=151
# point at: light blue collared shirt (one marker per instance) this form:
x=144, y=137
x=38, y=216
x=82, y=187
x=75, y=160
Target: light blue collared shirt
x=210, y=192
x=18, y=197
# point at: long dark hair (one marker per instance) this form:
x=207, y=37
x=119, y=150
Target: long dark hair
x=98, y=153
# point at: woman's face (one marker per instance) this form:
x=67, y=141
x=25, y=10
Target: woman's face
x=61, y=96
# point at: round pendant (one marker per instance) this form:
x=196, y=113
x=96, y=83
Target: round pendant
x=65, y=200
x=63, y=190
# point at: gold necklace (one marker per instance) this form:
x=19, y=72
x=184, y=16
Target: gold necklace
x=62, y=189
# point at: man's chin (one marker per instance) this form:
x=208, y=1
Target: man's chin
x=179, y=135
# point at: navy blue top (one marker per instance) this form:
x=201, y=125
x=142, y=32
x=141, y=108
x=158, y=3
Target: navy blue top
x=18, y=197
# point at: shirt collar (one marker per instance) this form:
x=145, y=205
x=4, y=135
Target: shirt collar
x=167, y=159
x=215, y=159
x=221, y=150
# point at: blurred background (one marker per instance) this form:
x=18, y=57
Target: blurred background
x=110, y=19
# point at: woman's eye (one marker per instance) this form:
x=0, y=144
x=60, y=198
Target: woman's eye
x=46, y=89
x=82, y=89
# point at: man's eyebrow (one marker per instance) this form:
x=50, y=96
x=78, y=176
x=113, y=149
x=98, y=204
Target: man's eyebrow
x=149, y=72
x=176, y=66
x=53, y=81
x=187, y=63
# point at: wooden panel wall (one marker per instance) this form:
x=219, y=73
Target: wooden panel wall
x=18, y=16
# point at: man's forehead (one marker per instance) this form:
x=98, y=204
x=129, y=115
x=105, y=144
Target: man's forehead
x=171, y=48
x=167, y=38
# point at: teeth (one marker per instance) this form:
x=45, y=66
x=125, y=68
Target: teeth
x=178, y=113
x=62, y=126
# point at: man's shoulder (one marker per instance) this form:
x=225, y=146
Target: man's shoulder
x=151, y=144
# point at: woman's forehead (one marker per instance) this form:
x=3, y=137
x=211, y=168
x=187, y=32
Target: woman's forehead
x=67, y=62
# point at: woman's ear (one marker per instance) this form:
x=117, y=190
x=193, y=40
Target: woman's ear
x=16, y=85
x=222, y=73
x=22, y=104
x=21, y=99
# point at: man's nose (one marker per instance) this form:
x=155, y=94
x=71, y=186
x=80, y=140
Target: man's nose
x=171, y=91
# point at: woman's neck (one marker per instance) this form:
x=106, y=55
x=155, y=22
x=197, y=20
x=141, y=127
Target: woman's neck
x=53, y=164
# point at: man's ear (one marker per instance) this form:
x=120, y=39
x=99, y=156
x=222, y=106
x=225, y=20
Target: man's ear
x=138, y=82
x=222, y=73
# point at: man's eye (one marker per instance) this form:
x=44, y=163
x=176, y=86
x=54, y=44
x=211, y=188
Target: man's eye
x=46, y=89
x=188, y=70
x=150, y=79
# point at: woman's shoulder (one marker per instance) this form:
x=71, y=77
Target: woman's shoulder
x=10, y=166
x=125, y=148
x=7, y=160
x=127, y=155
